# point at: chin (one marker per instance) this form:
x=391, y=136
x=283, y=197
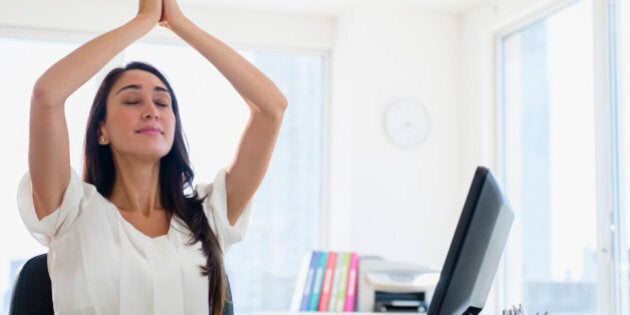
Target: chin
x=152, y=154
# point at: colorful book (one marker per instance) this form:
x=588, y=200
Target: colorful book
x=298, y=292
x=329, y=271
x=334, y=286
x=318, y=279
x=342, y=282
x=352, y=283
x=308, y=282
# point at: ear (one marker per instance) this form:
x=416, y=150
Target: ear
x=103, y=138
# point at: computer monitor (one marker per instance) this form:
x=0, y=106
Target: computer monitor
x=475, y=251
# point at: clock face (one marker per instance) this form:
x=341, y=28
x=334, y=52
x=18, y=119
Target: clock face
x=407, y=123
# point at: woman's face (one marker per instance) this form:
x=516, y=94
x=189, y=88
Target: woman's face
x=140, y=122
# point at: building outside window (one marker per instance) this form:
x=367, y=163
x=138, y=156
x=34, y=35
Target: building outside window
x=549, y=161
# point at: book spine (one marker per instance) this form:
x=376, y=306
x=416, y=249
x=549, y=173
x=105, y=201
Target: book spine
x=327, y=284
x=318, y=279
x=308, y=283
x=334, y=286
x=352, y=283
x=342, y=284
x=298, y=292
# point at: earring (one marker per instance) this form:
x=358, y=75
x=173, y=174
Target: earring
x=102, y=139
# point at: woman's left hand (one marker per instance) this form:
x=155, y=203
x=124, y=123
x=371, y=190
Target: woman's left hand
x=171, y=13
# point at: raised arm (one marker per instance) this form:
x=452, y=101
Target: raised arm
x=48, y=154
x=266, y=103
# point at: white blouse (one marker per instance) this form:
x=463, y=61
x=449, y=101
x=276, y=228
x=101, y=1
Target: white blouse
x=101, y=264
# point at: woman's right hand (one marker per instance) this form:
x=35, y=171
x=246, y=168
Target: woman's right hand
x=151, y=9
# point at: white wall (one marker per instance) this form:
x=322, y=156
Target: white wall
x=238, y=27
x=404, y=204
x=385, y=200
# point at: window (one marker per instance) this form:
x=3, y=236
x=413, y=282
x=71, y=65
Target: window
x=287, y=208
x=289, y=203
x=549, y=161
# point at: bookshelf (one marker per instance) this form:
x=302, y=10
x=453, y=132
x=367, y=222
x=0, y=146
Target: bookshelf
x=330, y=281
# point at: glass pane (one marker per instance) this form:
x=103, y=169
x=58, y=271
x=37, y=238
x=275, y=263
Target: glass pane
x=289, y=203
x=287, y=208
x=550, y=159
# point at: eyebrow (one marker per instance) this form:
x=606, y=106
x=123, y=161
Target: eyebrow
x=138, y=87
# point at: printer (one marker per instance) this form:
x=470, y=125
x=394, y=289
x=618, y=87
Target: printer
x=386, y=286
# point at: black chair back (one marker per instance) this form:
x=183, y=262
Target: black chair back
x=32, y=293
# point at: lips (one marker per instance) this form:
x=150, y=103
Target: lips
x=150, y=130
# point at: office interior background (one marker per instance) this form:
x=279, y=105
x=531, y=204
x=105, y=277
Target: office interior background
x=537, y=90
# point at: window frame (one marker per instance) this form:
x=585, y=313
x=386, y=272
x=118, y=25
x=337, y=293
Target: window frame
x=612, y=291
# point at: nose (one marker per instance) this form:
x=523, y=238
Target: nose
x=151, y=111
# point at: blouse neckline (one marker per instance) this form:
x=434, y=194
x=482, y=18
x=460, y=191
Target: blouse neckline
x=135, y=229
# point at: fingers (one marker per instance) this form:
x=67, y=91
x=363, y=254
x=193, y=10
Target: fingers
x=171, y=13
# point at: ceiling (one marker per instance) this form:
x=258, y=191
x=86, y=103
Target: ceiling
x=335, y=6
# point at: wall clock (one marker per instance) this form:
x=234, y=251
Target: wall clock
x=407, y=123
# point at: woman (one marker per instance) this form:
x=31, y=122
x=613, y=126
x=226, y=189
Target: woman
x=128, y=240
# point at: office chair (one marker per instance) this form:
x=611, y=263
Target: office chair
x=32, y=293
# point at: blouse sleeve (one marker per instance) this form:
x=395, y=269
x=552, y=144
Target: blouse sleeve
x=215, y=207
x=58, y=221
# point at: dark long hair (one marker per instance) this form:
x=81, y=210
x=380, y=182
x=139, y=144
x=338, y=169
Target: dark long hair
x=176, y=176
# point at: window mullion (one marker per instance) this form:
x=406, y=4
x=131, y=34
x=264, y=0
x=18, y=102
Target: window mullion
x=606, y=161
x=619, y=257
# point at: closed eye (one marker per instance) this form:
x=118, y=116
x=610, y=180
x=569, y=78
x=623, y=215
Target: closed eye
x=162, y=102
x=132, y=102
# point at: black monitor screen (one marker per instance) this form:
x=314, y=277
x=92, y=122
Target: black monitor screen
x=475, y=251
